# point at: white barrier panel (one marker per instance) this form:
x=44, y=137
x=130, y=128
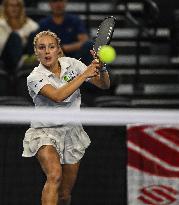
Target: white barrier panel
x=89, y=116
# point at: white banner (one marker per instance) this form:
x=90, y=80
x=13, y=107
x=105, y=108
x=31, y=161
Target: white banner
x=153, y=165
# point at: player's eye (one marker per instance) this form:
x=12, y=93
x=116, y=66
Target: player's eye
x=41, y=47
x=52, y=46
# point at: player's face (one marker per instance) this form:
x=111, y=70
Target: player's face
x=48, y=51
x=13, y=8
x=58, y=6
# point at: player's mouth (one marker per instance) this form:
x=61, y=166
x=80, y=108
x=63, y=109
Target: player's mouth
x=48, y=58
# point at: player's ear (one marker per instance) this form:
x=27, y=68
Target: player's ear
x=61, y=53
x=36, y=55
x=35, y=51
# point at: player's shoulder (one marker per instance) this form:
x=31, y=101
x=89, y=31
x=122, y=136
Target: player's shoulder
x=34, y=74
x=66, y=58
x=70, y=60
x=74, y=64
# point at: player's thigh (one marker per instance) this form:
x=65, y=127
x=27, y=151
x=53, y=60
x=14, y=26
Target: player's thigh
x=49, y=160
x=70, y=172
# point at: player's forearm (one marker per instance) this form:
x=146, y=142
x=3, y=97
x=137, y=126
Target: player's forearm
x=68, y=89
x=102, y=81
x=105, y=80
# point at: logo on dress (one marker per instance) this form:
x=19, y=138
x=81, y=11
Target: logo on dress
x=69, y=76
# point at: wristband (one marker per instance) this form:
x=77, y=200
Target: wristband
x=103, y=69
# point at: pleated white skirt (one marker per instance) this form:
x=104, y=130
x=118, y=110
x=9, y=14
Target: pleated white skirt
x=70, y=141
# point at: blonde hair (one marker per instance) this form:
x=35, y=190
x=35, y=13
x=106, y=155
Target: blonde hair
x=46, y=33
x=22, y=14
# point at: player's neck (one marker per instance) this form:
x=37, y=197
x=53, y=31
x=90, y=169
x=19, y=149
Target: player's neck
x=56, y=70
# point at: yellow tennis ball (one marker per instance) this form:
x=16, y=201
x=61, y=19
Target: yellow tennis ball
x=107, y=54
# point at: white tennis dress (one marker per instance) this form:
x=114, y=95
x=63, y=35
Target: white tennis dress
x=70, y=140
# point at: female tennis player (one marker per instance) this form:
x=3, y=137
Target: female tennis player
x=59, y=147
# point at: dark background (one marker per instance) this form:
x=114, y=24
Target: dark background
x=167, y=8
x=102, y=176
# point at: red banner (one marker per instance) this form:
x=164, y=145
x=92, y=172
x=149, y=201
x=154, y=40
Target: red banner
x=153, y=165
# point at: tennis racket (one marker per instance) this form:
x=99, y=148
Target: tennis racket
x=104, y=33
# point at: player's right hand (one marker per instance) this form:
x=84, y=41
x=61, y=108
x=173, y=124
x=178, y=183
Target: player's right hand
x=93, y=69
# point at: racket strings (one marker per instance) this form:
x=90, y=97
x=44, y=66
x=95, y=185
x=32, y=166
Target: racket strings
x=104, y=33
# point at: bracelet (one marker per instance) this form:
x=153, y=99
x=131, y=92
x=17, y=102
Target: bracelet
x=103, y=69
